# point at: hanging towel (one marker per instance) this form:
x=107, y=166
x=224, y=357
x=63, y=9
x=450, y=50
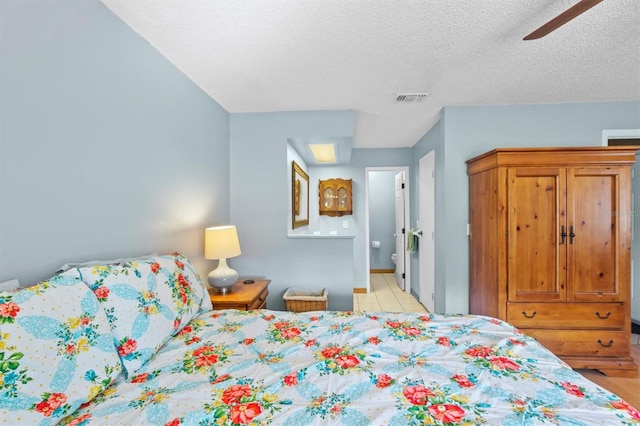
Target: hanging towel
x=412, y=241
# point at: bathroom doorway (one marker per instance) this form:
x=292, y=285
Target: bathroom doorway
x=382, y=246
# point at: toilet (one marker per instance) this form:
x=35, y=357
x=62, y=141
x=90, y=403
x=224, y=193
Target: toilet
x=399, y=281
x=394, y=258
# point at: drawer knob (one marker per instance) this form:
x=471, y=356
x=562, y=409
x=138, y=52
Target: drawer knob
x=607, y=345
x=529, y=316
x=603, y=317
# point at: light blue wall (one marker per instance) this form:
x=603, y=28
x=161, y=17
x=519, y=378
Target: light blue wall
x=356, y=170
x=470, y=131
x=260, y=200
x=106, y=149
x=382, y=218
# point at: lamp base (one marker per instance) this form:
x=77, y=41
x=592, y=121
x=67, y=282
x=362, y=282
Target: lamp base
x=222, y=278
x=221, y=290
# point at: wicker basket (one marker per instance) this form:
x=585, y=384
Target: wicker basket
x=303, y=300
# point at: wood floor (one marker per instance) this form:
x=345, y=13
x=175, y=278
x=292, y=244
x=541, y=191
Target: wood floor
x=385, y=295
x=626, y=388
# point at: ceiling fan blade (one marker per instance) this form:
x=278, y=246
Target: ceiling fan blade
x=575, y=10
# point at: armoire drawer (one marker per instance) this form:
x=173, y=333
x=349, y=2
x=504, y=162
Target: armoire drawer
x=609, y=316
x=599, y=343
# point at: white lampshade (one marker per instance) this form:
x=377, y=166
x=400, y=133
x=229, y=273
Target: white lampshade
x=221, y=242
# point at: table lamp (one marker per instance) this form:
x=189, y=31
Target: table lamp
x=221, y=242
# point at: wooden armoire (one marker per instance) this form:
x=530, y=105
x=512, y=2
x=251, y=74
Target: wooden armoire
x=550, y=235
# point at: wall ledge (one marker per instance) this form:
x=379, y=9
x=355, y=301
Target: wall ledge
x=323, y=236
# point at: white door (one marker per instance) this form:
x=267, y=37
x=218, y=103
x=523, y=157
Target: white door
x=400, y=230
x=426, y=251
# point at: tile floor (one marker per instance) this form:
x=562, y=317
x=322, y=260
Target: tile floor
x=385, y=295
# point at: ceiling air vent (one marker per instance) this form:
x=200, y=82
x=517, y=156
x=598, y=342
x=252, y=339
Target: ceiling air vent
x=411, y=98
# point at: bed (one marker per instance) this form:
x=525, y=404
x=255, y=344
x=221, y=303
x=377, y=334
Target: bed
x=317, y=368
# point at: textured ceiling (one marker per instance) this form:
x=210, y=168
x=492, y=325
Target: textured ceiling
x=289, y=55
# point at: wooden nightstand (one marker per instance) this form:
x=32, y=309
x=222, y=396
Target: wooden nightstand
x=244, y=297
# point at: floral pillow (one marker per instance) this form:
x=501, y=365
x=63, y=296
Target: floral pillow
x=56, y=351
x=147, y=302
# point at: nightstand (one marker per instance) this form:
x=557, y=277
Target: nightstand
x=244, y=297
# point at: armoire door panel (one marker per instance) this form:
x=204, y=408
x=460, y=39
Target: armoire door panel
x=537, y=259
x=592, y=204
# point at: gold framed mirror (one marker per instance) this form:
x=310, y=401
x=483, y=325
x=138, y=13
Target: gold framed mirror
x=299, y=196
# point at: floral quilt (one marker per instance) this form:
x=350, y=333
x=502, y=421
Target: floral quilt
x=322, y=368
x=135, y=342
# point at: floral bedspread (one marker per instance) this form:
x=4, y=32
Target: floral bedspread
x=321, y=368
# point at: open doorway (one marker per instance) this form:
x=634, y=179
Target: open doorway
x=384, y=247
x=629, y=137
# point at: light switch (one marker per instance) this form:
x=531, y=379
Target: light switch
x=345, y=224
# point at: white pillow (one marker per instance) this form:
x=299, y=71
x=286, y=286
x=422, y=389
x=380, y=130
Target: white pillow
x=68, y=266
x=10, y=285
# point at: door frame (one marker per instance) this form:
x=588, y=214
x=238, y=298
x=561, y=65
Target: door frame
x=426, y=256
x=407, y=217
x=619, y=134
x=629, y=134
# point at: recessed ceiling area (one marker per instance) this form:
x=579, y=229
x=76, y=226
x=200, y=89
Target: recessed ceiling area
x=341, y=147
x=292, y=55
